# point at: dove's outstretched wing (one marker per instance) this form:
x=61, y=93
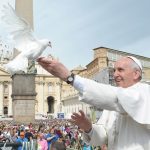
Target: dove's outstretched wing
x=21, y=33
x=19, y=29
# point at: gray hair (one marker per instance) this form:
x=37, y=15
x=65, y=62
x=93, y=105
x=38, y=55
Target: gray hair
x=135, y=66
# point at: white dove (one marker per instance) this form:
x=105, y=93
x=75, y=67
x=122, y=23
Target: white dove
x=20, y=31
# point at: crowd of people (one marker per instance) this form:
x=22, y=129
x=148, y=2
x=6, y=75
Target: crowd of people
x=54, y=134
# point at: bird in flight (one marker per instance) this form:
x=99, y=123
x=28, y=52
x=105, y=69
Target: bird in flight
x=29, y=47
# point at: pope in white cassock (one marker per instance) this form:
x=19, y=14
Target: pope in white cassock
x=124, y=124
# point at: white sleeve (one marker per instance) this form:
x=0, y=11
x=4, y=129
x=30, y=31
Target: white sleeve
x=97, y=136
x=100, y=95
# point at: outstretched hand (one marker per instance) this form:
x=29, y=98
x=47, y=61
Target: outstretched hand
x=54, y=67
x=81, y=121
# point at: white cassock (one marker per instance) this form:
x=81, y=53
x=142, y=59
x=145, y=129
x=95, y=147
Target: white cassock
x=125, y=122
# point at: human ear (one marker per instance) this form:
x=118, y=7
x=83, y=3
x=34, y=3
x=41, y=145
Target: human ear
x=137, y=74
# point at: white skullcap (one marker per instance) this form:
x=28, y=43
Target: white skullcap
x=136, y=61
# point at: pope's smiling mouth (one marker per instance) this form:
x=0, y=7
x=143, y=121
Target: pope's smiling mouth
x=118, y=80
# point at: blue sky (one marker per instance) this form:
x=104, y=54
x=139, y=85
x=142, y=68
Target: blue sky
x=75, y=27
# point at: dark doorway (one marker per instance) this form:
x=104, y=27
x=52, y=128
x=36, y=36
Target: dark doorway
x=50, y=101
x=5, y=110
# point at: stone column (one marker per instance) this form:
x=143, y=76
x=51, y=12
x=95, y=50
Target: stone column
x=1, y=98
x=25, y=9
x=10, y=100
x=41, y=97
x=23, y=86
x=23, y=95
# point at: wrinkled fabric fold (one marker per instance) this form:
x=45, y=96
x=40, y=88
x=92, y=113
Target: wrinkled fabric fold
x=136, y=102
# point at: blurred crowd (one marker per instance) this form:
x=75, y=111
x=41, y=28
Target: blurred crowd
x=55, y=134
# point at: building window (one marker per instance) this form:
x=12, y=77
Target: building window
x=5, y=88
x=5, y=110
x=50, y=101
x=49, y=87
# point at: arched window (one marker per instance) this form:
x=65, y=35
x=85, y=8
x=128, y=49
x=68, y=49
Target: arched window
x=50, y=101
x=5, y=110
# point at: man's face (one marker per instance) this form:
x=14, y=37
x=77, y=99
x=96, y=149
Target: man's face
x=22, y=135
x=52, y=131
x=124, y=74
